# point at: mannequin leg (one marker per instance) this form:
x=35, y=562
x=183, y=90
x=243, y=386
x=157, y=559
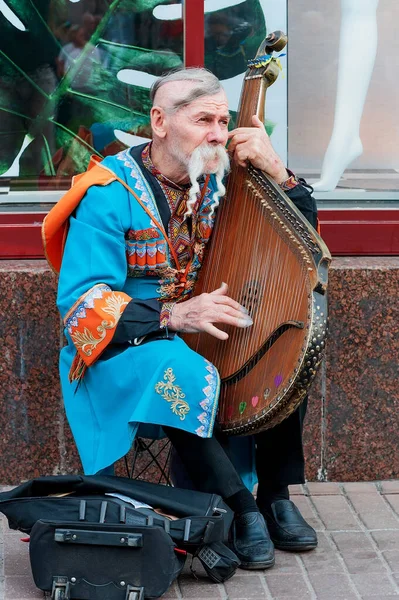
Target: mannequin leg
x=357, y=50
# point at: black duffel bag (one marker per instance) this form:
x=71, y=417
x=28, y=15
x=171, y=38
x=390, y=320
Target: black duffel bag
x=70, y=519
x=202, y=518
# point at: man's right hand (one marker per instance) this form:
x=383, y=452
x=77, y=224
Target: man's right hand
x=201, y=312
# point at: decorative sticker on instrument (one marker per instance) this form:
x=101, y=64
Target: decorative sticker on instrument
x=230, y=412
x=278, y=380
x=255, y=400
x=242, y=407
x=266, y=393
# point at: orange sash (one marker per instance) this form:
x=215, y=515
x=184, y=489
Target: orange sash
x=55, y=224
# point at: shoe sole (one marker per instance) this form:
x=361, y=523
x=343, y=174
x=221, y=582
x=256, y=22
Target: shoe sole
x=296, y=547
x=252, y=566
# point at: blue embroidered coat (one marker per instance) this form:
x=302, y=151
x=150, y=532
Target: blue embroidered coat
x=115, y=251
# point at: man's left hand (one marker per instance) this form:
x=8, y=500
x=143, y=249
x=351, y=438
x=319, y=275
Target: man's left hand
x=253, y=144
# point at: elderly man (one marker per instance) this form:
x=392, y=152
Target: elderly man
x=134, y=248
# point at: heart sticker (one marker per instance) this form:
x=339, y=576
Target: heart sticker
x=242, y=407
x=255, y=400
x=278, y=380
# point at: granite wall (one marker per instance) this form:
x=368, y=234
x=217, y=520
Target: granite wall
x=352, y=424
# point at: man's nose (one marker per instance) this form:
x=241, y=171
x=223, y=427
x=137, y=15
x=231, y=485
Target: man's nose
x=217, y=135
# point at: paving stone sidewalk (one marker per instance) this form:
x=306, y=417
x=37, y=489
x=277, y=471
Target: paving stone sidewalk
x=357, y=557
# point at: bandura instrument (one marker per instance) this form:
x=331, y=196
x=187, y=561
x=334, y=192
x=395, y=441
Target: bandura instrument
x=276, y=265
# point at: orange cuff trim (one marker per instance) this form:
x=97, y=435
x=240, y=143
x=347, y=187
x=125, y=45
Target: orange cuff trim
x=92, y=321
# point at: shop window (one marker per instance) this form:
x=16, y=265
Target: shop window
x=75, y=79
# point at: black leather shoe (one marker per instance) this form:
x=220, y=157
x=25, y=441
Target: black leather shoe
x=288, y=529
x=251, y=542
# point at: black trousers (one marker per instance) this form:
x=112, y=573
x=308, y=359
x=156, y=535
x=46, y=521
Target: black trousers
x=279, y=458
x=203, y=463
x=279, y=451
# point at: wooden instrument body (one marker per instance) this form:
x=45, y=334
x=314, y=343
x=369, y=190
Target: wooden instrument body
x=275, y=265
x=281, y=279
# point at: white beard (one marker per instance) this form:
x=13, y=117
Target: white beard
x=197, y=166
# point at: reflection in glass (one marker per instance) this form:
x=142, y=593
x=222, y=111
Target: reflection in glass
x=232, y=37
x=61, y=99
x=233, y=33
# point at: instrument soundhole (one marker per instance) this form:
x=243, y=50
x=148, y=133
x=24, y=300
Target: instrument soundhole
x=251, y=297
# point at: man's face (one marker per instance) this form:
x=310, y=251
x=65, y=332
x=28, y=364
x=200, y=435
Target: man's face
x=202, y=122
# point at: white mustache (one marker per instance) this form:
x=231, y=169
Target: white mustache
x=197, y=167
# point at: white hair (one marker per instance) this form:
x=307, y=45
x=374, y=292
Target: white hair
x=207, y=84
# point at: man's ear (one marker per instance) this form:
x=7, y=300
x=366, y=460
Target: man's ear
x=158, y=124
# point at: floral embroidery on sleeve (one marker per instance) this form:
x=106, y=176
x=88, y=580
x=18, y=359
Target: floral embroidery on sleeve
x=92, y=321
